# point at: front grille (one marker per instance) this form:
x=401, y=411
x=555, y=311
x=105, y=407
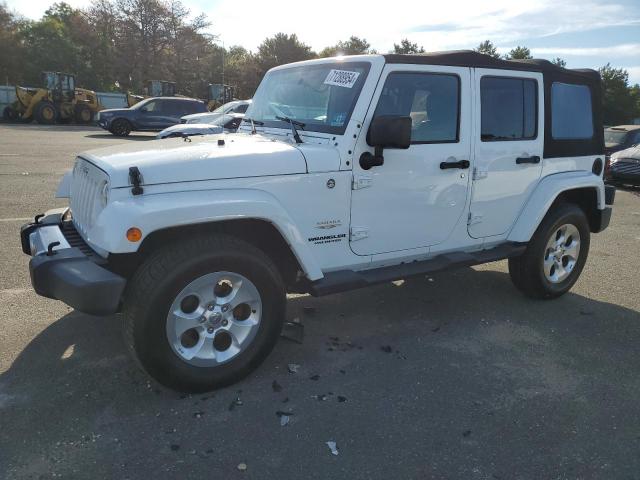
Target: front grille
x=626, y=166
x=86, y=185
x=75, y=240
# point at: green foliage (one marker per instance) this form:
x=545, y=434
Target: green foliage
x=407, y=47
x=559, y=62
x=353, y=46
x=519, y=53
x=620, y=101
x=488, y=48
x=280, y=49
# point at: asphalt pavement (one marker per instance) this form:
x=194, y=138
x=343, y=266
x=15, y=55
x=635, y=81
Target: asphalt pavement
x=450, y=376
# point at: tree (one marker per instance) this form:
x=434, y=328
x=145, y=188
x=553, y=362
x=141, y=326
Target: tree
x=353, y=46
x=11, y=53
x=519, y=53
x=281, y=49
x=559, y=62
x=406, y=47
x=488, y=48
x=617, y=97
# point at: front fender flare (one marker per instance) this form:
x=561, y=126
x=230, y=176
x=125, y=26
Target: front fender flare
x=155, y=212
x=545, y=194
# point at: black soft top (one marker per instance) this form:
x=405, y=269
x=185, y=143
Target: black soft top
x=551, y=73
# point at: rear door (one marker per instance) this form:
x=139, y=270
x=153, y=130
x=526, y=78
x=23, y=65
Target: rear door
x=508, y=147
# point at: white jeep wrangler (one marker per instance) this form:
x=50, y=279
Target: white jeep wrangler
x=347, y=172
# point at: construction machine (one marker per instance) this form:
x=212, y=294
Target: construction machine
x=218, y=94
x=154, y=88
x=59, y=100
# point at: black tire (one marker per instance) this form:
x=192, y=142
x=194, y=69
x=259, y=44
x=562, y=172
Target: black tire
x=83, y=114
x=120, y=127
x=46, y=113
x=9, y=114
x=161, y=278
x=527, y=271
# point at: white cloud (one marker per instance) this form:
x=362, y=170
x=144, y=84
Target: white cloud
x=614, y=51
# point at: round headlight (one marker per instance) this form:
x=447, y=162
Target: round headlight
x=104, y=193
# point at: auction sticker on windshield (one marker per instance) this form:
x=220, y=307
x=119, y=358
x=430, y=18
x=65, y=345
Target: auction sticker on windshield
x=341, y=78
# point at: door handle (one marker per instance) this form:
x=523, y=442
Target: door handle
x=532, y=159
x=459, y=164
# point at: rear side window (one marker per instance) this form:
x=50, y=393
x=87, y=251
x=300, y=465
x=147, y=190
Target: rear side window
x=186, y=107
x=571, y=114
x=241, y=108
x=509, y=109
x=432, y=100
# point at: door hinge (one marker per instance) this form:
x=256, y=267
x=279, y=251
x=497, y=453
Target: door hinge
x=479, y=174
x=361, y=181
x=473, y=219
x=358, y=233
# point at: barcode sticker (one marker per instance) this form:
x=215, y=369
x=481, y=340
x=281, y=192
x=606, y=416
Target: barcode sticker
x=342, y=78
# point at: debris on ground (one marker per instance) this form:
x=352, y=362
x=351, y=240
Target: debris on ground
x=242, y=467
x=333, y=447
x=343, y=372
x=198, y=414
x=321, y=397
x=293, y=331
x=285, y=417
x=315, y=378
x=386, y=348
x=293, y=367
x=175, y=447
x=235, y=403
x=276, y=386
x=342, y=398
x=466, y=433
x=286, y=399
x=334, y=343
x=436, y=329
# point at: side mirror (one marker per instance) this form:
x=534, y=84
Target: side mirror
x=386, y=131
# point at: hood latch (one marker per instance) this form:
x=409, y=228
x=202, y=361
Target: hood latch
x=135, y=178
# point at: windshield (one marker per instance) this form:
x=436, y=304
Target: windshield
x=142, y=103
x=614, y=136
x=320, y=96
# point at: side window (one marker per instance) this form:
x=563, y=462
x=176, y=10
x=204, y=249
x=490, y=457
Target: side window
x=635, y=138
x=432, y=100
x=571, y=114
x=241, y=108
x=509, y=109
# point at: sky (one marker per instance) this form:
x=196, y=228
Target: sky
x=585, y=33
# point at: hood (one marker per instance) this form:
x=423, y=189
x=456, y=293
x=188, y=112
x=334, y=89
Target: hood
x=189, y=129
x=176, y=160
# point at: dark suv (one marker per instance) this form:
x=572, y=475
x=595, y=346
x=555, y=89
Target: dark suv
x=149, y=115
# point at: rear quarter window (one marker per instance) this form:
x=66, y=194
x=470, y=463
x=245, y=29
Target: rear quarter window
x=571, y=112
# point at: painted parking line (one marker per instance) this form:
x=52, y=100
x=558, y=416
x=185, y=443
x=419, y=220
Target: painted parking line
x=17, y=219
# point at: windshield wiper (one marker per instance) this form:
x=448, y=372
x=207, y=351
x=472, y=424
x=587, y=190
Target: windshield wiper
x=253, y=123
x=294, y=124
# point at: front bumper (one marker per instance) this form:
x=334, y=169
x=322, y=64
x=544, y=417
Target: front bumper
x=63, y=267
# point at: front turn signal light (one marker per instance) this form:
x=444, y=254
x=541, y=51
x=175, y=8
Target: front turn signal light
x=134, y=234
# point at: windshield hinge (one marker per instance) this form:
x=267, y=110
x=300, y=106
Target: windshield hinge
x=358, y=233
x=135, y=178
x=361, y=181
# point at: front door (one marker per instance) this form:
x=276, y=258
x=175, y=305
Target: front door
x=508, y=148
x=416, y=198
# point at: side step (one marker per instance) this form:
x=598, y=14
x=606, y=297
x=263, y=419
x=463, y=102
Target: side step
x=344, y=280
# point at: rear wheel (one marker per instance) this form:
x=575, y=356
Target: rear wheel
x=555, y=255
x=204, y=313
x=83, y=114
x=46, y=113
x=9, y=114
x=120, y=127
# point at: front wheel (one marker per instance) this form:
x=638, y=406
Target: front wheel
x=555, y=255
x=120, y=127
x=204, y=313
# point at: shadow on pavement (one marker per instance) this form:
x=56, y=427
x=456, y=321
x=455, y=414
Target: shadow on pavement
x=475, y=376
x=106, y=136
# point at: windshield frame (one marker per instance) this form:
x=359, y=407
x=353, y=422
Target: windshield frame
x=309, y=126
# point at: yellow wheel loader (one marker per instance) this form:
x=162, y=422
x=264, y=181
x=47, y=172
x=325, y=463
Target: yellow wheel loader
x=58, y=101
x=154, y=88
x=219, y=94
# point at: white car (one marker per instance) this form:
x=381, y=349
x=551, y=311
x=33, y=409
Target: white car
x=237, y=107
x=347, y=172
x=228, y=122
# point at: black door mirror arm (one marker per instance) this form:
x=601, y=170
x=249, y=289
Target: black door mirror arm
x=367, y=160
